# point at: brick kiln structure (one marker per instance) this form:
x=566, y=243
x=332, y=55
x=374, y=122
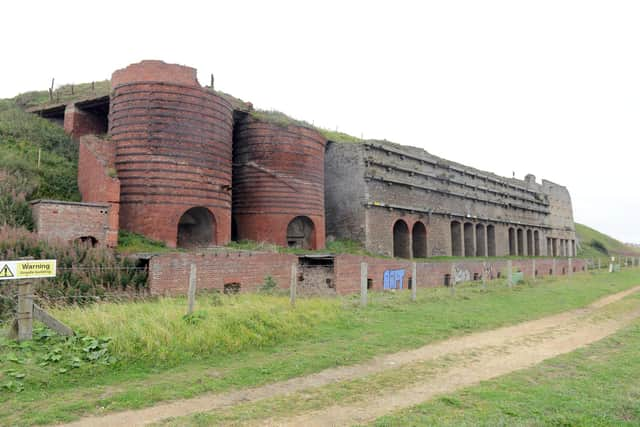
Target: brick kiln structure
x=181, y=164
x=173, y=142
x=278, y=184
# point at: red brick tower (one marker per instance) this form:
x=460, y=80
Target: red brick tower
x=173, y=154
x=278, y=184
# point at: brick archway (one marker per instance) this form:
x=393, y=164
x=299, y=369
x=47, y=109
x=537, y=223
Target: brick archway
x=196, y=228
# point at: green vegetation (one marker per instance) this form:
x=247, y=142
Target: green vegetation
x=64, y=94
x=238, y=341
x=596, y=244
x=133, y=243
x=84, y=274
x=593, y=386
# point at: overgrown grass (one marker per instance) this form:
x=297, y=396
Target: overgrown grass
x=594, y=386
x=160, y=359
x=131, y=243
x=596, y=244
x=64, y=93
x=158, y=330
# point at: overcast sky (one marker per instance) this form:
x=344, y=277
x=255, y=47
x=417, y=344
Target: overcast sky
x=544, y=87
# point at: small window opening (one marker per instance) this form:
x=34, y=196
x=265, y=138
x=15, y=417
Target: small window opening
x=369, y=283
x=231, y=288
x=447, y=280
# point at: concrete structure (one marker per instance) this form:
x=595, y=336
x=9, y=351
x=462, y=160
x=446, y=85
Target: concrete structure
x=404, y=202
x=72, y=221
x=196, y=168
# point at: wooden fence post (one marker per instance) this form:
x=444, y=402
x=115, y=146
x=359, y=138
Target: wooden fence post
x=509, y=273
x=414, y=284
x=533, y=269
x=293, y=284
x=363, y=283
x=25, y=311
x=452, y=280
x=192, y=289
x=553, y=267
x=484, y=275
x=570, y=267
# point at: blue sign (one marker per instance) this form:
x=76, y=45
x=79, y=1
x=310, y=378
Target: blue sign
x=393, y=279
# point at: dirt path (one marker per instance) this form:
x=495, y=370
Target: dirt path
x=522, y=345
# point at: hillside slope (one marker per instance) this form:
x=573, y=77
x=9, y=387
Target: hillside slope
x=592, y=243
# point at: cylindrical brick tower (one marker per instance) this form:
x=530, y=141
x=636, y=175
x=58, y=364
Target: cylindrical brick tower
x=278, y=184
x=173, y=154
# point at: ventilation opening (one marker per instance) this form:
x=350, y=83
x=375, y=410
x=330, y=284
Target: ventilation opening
x=456, y=238
x=369, y=283
x=447, y=280
x=469, y=247
x=231, y=288
x=196, y=228
x=401, y=240
x=476, y=276
x=330, y=283
x=564, y=270
x=499, y=274
x=409, y=282
x=550, y=271
x=86, y=241
x=536, y=272
x=300, y=233
x=419, y=240
x=574, y=269
x=491, y=240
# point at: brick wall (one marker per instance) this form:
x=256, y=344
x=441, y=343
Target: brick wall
x=69, y=221
x=78, y=122
x=97, y=181
x=169, y=273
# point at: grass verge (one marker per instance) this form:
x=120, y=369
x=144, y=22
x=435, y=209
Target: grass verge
x=337, y=333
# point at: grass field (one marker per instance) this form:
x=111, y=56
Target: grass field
x=596, y=244
x=594, y=386
x=153, y=353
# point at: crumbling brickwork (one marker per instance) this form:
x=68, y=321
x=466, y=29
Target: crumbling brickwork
x=71, y=221
x=173, y=153
x=278, y=176
x=97, y=179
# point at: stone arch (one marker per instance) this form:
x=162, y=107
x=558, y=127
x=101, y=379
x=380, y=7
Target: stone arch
x=196, y=228
x=456, y=238
x=419, y=240
x=301, y=233
x=491, y=240
x=401, y=241
x=520, y=240
x=469, y=244
x=536, y=243
x=529, y=242
x=481, y=243
x=513, y=251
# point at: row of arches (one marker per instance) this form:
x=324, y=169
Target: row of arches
x=524, y=242
x=409, y=244
x=468, y=239
x=197, y=228
x=560, y=247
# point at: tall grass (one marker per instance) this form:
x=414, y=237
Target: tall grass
x=159, y=330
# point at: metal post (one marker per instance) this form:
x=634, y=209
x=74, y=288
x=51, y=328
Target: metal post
x=192, y=289
x=25, y=311
x=363, y=284
x=414, y=285
x=292, y=286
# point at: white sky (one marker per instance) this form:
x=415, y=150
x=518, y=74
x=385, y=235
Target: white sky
x=547, y=87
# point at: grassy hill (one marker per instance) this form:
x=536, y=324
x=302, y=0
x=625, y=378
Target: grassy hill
x=593, y=243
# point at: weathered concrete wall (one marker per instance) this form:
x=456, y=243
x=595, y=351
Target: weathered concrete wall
x=278, y=175
x=409, y=184
x=97, y=181
x=345, y=192
x=69, y=221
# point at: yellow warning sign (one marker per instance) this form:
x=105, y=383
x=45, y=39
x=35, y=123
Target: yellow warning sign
x=31, y=269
